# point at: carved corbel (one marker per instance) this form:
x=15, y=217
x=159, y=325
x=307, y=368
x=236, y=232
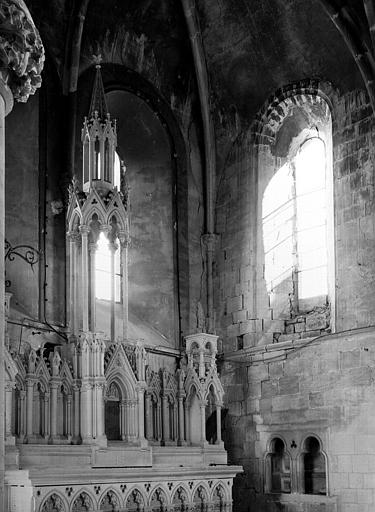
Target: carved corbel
x=21, y=50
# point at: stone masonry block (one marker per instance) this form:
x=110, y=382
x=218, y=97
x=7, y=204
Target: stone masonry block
x=234, y=303
x=356, y=480
x=249, y=340
x=273, y=325
x=361, y=464
x=257, y=373
x=247, y=326
x=369, y=481
x=300, y=327
x=316, y=321
x=365, y=496
x=245, y=273
x=276, y=370
x=350, y=359
x=269, y=388
x=239, y=316
x=316, y=399
x=233, y=330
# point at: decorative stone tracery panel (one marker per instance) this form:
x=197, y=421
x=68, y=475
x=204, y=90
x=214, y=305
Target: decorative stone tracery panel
x=53, y=503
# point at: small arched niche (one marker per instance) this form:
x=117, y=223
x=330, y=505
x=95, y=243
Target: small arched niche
x=278, y=468
x=314, y=467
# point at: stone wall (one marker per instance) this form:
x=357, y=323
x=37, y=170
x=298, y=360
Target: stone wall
x=245, y=315
x=293, y=390
x=289, y=377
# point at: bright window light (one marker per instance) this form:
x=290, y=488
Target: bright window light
x=278, y=227
x=103, y=271
x=117, y=172
x=294, y=218
x=311, y=235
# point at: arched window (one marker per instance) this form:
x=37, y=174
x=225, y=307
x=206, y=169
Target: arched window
x=103, y=270
x=314, y=468
x=97, y=171
x=278, y=468
x=297, y=218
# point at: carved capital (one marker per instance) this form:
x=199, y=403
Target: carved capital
x=21, y=49
x=84, y=230
x=124, y=239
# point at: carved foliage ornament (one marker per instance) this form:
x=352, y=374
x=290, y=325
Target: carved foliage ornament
x=21, y=49
x=53, y=504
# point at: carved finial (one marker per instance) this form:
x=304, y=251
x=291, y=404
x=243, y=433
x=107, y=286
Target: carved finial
x=97, y=60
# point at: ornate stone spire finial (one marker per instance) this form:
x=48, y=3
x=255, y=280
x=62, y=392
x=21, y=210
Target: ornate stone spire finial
x=98, y=102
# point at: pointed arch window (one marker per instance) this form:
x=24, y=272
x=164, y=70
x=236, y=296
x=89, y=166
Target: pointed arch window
x=96, y=159
x=107, y=161
x=103, y=271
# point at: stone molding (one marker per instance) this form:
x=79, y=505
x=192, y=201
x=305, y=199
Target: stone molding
x=270, y=117
x=21, y=50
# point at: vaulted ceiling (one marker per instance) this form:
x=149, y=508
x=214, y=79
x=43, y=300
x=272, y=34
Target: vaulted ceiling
x=250, y=48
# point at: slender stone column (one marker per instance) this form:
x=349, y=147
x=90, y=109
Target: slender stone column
x=100, y=434
x=159, y=421
x=94, y=413
x=124, y=243
x=73, y=303
x=76, y=432
x=218, y=424
x=6, y=104
x=53, y=416
x=174, y=436
x=181, y=421
x=203, y=423
x=21, y=63
x=69, y=416
x=122, y=420
x=86, y=413
x=9, y=439
x=113, y=248
x=187, y=422
x=29, y=407
x=85, y=278
x=93, y=248
x=77, y=320
x=46, y=415
x=141, y=416
x=165, y=422
x=148, y=423
x=22, y=415
x=133, y=420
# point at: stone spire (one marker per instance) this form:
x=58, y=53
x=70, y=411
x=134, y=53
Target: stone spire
x=98, y=102
x=99, y=139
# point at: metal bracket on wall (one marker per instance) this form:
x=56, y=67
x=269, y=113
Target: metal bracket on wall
x=26, y=252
